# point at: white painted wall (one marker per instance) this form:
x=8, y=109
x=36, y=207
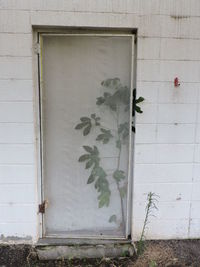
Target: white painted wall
x=167, y=149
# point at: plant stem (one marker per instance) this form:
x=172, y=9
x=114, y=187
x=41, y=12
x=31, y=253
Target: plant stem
x=150, y=205
x=118, y=187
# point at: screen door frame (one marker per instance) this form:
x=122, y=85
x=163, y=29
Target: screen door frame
x=39, y=127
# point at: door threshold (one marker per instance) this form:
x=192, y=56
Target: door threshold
x=49, y=241
x=52, y=248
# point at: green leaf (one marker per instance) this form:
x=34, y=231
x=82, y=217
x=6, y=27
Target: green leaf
x=85, y=119
x=139, y=100
x=105, y=136
x=116, y=81
x=113, y=218
x=104, y=199
x=95, y=151
x=107, y=95
x=100, y=137
x=100, y=172
x=80, y=126
x=125, y=95
x=111, y=83
x=100, y=100
x=88, y=149
x=84, y=157
x=138, y=109
x=118, y=175
x=86, y=131
x=93, y=116
x=89, y=164
x=91, y=179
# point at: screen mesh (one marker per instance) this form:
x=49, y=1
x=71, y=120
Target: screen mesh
x=85, y=110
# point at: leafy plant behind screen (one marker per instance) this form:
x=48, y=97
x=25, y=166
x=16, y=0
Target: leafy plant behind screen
x=116, y=97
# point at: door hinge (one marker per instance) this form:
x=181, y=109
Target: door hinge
x=43, y=206
x=37, y=48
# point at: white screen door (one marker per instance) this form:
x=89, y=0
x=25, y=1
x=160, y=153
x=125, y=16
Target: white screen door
x=86, y=134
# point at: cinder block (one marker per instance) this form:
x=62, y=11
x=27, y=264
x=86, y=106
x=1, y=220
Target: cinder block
x=168, y=48
x=197, y=172
x=195, y=206
x=156, y=230
x=181, y=8
x=148, y=48
x=15, y=4
x=194, y=228
x=145, y=153
x=167, y=70
x=149, y=71
x=165, y=173
x=148, y=115
x=197, y=153
x=196, y=191
x=198, y=116
x=18, y=213
x=166, y=210
x=16, y=154
x=175, y=153
x=15, y=44
x=14, y=133
x=179, y=49
x=16, y=112
x=14, y=21
x=145, y=133
x=17, y=194
x=164, y=153
x=150, y=7
x=186, y=93
x=197, y=133
x=149, y=91
x=16, y=68
x=128, y=6
x=176, y=133
x=178, y=26
x=16, y=90
x=17, y=174
x=177, y=113
x=149, y=25
x=165, y=191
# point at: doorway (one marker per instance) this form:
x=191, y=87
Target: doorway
x=86, y=135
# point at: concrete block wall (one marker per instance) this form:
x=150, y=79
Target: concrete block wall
x=167, y=145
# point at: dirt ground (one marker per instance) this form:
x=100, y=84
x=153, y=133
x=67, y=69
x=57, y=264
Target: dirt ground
x=158, y=253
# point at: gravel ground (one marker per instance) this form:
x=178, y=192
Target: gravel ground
x=179, y=253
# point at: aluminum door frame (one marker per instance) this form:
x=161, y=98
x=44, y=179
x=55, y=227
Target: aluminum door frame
x=38, y=45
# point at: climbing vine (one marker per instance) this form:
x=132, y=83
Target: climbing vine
x=116, y=98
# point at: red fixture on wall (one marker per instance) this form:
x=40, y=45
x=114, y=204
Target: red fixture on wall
x=176, y=82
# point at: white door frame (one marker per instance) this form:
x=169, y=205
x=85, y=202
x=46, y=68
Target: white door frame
x=38, y=79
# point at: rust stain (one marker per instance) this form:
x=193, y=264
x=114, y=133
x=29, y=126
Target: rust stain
x=179, y=17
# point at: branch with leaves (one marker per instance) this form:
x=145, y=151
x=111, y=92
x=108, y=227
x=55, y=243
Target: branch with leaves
x=116, y=99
